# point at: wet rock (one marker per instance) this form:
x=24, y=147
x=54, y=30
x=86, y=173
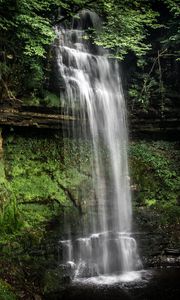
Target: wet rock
x=171, y=251
x=37, y=297
x=56, y=279
x=86, y=270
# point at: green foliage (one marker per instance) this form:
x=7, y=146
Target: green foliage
x=6, y=291
x=25, y=34
x=32, y=101
x=51, y=99
x=172, y=39
x=25, y=38
x=125, y=26
x=155, y=173
x=48, y=99
x=39, y=171
x=35, y=77
x=150, y=202
x=154, y=82
x=140, y=28
x=8, y=212
x=143, y=90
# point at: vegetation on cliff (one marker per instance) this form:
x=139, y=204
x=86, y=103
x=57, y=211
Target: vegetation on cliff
x=43, y=179
x=143, y=34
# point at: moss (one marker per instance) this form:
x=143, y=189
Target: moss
x=54, y=280
x=155, y=177
x=48, y=99
x=37, y=172
x=32, y=101
x=6, y=292
x=44, y=178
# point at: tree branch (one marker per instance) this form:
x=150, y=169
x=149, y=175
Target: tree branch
x=156, y=60
x=9, y=93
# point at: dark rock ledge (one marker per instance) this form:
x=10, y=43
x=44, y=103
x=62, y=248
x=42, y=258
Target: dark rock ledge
x=141, y=123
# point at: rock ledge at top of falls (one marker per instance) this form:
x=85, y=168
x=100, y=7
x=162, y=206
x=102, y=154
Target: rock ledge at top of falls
x=141, y=123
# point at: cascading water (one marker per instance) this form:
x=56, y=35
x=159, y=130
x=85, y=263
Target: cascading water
x=92, y=81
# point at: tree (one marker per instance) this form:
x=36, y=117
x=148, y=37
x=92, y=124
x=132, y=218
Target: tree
x=154, y=82
x=125, y=26
x=147, y=31
x=26, y=34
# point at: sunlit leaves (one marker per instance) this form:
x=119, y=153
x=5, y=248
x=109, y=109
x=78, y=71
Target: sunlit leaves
x=172, y=40
x=125, y=26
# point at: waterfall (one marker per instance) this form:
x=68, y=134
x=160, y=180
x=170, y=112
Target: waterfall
x=92, y=82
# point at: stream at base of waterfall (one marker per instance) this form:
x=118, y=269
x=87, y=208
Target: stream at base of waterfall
x=92, y=82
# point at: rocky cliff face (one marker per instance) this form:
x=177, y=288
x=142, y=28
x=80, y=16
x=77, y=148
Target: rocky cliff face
x=142, y=124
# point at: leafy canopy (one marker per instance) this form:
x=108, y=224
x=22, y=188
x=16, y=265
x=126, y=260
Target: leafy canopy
x=125, y=26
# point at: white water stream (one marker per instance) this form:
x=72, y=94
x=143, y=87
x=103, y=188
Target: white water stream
x=92, y=81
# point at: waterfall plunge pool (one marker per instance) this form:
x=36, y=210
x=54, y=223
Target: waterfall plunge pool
x=113, y=279
x=152, y=284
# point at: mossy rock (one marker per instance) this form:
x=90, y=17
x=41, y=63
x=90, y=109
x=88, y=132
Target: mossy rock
x=55, y=280
x=6, y=292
